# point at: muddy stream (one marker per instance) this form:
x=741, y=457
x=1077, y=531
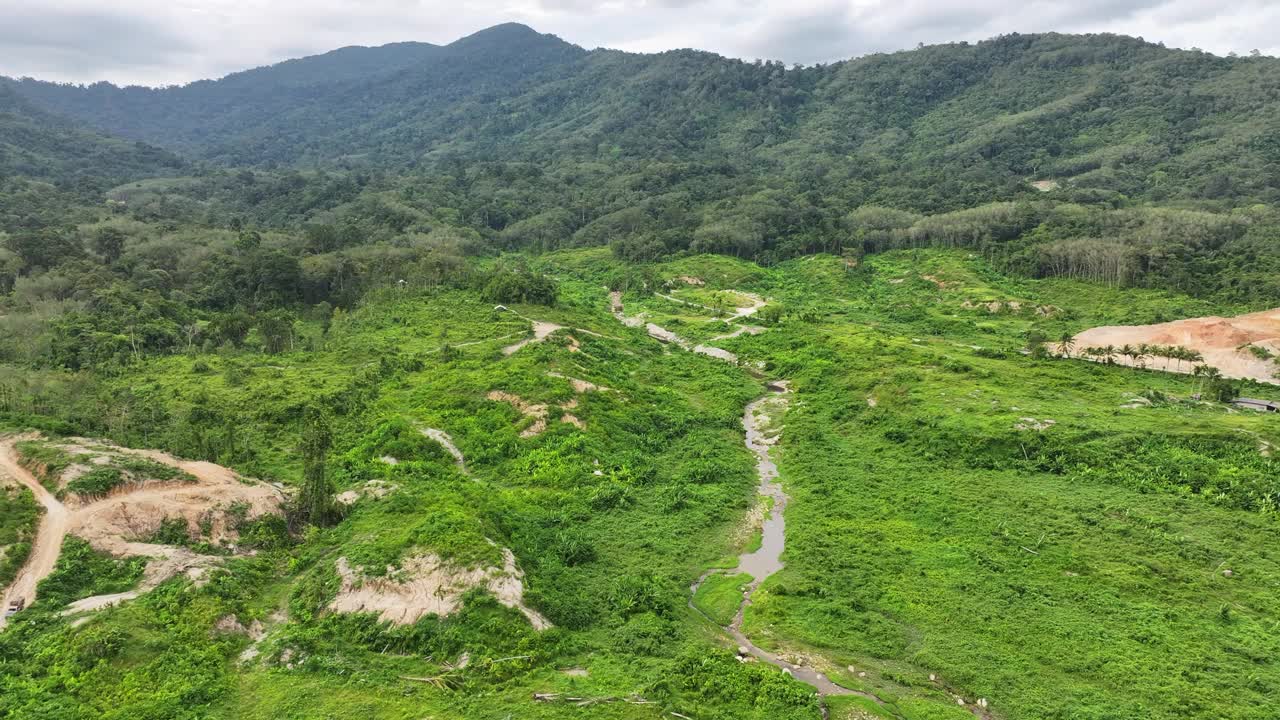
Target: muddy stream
x=760, y=438
x=767, y=560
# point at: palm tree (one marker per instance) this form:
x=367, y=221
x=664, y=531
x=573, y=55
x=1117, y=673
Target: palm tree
x=1066, y=343
x=1198, y=372
x=1109, y=354
x=1212, y=375
x=1127, y=351
x=1144, y=350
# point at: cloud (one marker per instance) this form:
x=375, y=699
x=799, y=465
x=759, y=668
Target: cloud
x=171, y=41
x=76, y=41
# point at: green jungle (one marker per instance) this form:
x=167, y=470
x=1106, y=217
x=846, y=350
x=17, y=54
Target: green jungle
x=439, y=381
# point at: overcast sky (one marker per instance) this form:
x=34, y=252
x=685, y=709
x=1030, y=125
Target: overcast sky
x=160, y=42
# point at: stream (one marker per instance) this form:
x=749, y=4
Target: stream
x=767, y=560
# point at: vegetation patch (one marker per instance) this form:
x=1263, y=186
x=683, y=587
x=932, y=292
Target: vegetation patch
x=720, y=595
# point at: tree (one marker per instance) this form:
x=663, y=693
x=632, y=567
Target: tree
x=276, y=328
x=1128, y=351
x=1066, y=342
x=109, y=244
x=315, y=502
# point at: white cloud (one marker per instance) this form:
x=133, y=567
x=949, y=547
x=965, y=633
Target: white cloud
x=162, y=42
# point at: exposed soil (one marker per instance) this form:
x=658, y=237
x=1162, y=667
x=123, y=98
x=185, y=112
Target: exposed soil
x=115, y=524
x=580, y=386
x=615, y=306
x=1222, y=341
x=541, y=330
x=372, y=488
x=530, y=410
x=446, y=442
x=49, y=535
x=428, y=585
x=740, y=330
x=661, y=334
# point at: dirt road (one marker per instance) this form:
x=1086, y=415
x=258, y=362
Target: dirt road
x=112, y=523
x=49, y=535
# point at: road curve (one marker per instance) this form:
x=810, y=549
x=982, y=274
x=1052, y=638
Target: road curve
x=49, y=535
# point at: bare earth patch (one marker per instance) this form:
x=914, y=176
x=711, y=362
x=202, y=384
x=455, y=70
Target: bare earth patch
x=1222, y=341
x=429, y=585
x=529, y=410
x=119, y=523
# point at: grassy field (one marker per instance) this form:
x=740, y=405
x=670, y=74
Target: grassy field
x=1016, y=528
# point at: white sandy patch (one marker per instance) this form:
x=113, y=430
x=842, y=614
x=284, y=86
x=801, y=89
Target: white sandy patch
x=428, y=585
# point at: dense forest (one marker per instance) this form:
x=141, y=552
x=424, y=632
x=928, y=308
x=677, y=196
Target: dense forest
x=324, y=273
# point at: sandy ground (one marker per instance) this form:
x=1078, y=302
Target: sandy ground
x=1220, y=340
x=113, y=524
x=428, y=585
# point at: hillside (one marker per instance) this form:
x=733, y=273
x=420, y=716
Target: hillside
x=37, y=144
x=942, y=127
x=504, y=379
x=309, y=109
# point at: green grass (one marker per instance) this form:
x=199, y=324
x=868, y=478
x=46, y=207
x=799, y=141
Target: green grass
x=19, y=516
x=45, y=461
x=1071, y=571
x=720, y=595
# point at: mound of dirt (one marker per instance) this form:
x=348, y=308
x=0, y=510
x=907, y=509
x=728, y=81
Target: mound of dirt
x=541, y=330
x=1223, y=342
x=429, y=585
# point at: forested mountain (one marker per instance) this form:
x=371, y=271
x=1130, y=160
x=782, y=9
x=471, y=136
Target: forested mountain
x=40, y=145
x=940, y=127
x=309, y=110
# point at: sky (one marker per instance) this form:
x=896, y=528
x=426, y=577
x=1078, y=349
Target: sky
x=165, y=42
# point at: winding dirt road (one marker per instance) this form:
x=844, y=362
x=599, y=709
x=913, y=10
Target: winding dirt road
x=111, y=523
x=49, y=535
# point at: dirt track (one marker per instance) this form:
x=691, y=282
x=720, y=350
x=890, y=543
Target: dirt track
x=113, y=523
x=49, y=536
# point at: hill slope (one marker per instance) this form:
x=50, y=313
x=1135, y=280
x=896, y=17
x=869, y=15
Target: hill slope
x=944, y=126
x=43, y=146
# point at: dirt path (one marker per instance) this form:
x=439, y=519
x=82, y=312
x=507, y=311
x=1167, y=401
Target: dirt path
x=110, y=523
x=446, y=442
x=661, y=334
x=49, y=535
x=541, y=331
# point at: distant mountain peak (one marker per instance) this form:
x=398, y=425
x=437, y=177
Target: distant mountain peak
x=506, y=34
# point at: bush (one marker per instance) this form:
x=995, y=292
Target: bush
x=98, y=481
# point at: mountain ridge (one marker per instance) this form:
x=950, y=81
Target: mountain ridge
x=945, y=126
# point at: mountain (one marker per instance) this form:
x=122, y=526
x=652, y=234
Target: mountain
x=300, y=109
x=941, y=127
x=40, y=145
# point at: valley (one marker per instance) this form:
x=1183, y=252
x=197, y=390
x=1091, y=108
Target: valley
x=505, y=378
